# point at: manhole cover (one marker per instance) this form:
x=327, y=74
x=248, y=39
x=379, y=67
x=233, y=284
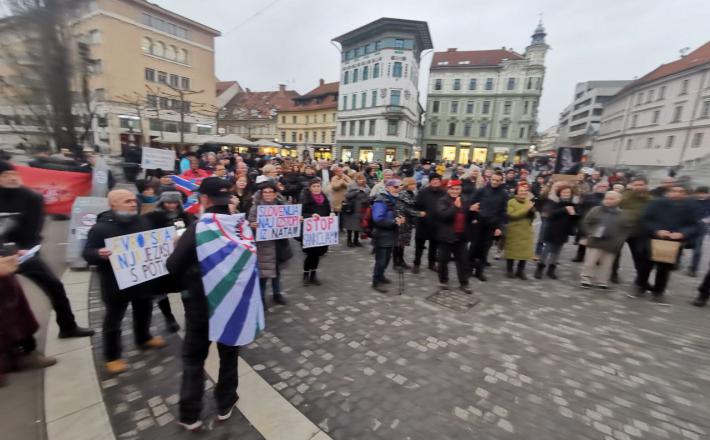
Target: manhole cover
x=454, y=300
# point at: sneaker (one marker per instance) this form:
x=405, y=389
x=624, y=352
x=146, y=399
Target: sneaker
x=660, y=300
x=76, y=332
x=466, y=289
x=224, y=417
x=116, y=367
x=585, y=284
x=194, y=426
x=385, y=281
x=154, y=343
x=379, y=287
x=34, y=361
x=638, y=292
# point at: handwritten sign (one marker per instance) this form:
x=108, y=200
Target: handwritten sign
x=274, y=222
x=140, y=257
x=320, y=232
x=154, y=158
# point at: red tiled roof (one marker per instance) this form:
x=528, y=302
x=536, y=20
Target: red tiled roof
x=330, y=101
x=222, y=86
x=698, y=57
x=258, y=105
x=472, y=58
x=323, y=89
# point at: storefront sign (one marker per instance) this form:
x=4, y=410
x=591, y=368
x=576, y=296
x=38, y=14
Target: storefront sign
x=140, y=257
x=322, y=231
x=274, y=222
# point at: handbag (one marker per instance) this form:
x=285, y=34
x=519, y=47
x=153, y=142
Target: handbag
x=665, y=251
x=283, y=250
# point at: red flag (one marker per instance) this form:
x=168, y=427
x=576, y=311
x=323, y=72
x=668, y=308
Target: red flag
x=59, y=188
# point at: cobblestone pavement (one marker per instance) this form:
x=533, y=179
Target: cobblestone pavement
x=142, y=403
x=533, y=360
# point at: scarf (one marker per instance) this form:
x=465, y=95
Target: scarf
x=318, y=198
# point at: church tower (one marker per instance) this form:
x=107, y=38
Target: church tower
x=538, y=48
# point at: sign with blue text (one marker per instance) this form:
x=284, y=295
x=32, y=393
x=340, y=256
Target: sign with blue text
x=321, y=231
x=274, y=222
x=140, y=257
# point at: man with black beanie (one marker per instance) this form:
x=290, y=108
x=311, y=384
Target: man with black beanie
x=21, y=221
x=426, y=201
x=490, y=204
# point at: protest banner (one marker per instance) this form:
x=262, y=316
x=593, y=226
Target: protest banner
x=569, y=160
x=58, y=188
x=140, y=257
x=322, y=231
x=84, y=213
x=274, y=222
x=154, y=158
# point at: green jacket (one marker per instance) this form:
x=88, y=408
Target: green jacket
x=634, y=205
x=605, y=228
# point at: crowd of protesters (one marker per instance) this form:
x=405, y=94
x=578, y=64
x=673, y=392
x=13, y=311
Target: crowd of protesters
x=457, y=213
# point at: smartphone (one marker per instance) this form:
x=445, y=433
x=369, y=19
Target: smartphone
x=7, y=249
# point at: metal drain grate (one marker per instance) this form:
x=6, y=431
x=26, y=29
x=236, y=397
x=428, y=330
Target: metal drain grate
x=454, y=300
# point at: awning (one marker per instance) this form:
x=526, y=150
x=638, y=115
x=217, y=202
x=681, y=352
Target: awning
x=230, y=139
x=267, y=143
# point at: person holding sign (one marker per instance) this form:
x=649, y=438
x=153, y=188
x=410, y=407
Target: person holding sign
x=121, y=219
x=315, y=205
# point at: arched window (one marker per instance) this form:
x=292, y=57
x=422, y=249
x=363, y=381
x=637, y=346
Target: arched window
x=171, y=52
x=159, y=49
x=146, y=44
x=182, y=56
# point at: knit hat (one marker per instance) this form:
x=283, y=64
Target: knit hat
x=6, y=166
x=171, y=196
x=453, y=182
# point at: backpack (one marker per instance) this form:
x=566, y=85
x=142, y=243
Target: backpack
x=366, y=223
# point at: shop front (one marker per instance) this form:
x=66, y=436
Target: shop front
x=288, y=151
x=500, y=155
x=448, y=153
x=464, y=153
x=323, y=153
x=346, y=154
x=390, y=154
x=366, y=154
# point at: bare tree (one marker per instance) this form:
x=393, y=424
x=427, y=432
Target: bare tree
x=139, y=103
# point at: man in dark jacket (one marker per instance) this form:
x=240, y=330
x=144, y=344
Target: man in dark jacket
x=21, y=221
x=184, y=266
x=122, y=219
x=491, y=204
x=452, y=219
x=671, y=217
x=589, y=201
x=385, y=220
x=426, y=201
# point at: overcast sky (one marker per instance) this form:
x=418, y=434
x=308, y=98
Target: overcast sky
x=269, y=42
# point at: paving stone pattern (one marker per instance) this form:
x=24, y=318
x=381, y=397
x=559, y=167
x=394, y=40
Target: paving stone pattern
x=142, y=403
x=533, y=360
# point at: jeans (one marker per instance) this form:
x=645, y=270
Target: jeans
x=382, y=259
x=458, y=248
x=697, y=253
x=114, y=313
x=194, y=352
x=550, y=253
x=37, y=270
x=275, y=285
x=419, y=251
x=541, y=233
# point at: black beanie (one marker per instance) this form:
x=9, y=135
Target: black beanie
x=6, y=166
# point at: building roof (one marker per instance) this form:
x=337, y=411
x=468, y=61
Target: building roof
x=324, y=96
x=420, y=29
x=175, y=16
x=472, y=58
x=696, y=58
x=222, y=86
x=259, y=105
x=323, y=89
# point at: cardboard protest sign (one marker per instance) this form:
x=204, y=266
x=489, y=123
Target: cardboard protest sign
x=274, y=222
x=140, y=257
x=83, y=216
x=322, y=231
x=154, y=158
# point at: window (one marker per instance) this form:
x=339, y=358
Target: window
x=661, y=92
x=394, y=97
x=353, y=101
x=155, y=124
x=677, y=113
x=467, y=129
x=162, y=77
x=152, y=101
x=374, y=98
x=511, y=83
x=435, y=106
x=649, y=143
x=293, y=134
x=352, y=128
x=457, y=84
x=343, y=128
x=697, y=140
x=629, y=144
x=170, y=127
x=522, y=132
x=507, y=106
x=149, y=75
x=164, y=103
x=669, y=141
x=174, y=80
x=438, y=84
x=294, y=119
x=398, y=43
x=397, y=69
x=171, y=52
x=355, y=75
x=371, y=127
x=452, y=129
x=165, y=26
x=322, y=119
x=489, y=84
x=650, y=95
x=639, y=98
x=376, y=70
x=345, y=102
x=684, y=87
x=158, y=49
x=361, y=128
x=392, y=127
x=656, y=115
x=454, y=106
x=365, y=73
x=705, y=112
x=363, y=99
x=486, y=107
x=504, y=131
x=146, y=44
x=346, y=77
x=469, y=107
x=530, y=84
x=526, y=107
x=332, y=136
x=472, y=84
x=483, y=130
x=434, y=129
x=185, y=83
x=182, y=56
x=634, y=120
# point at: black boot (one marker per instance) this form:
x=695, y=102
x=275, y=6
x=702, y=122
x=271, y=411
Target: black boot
x=580, y=254
x=279, y=299
x=306, y=277
x=551, y=271
x=539, y=271
x=314, y=279
x=509, y=268
x=702, y=298
x=520, y=273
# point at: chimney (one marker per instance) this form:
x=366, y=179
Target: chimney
x=451, y=49
x=321, y=81
x=503, y=48
x=282, y=87
x=248, y=90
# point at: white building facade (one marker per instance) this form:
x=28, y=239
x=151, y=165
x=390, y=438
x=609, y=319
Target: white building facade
x=580, y=121
x=482, y=105
x=378, y=110
x=660, y=120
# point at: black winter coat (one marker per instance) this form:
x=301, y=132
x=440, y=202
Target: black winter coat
x=560, y=224
x=445, y=215
x=107, y=226
x=426, y=201
x=494, y=205
x=23, y=225
x=672, y=215
x=310, y=207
